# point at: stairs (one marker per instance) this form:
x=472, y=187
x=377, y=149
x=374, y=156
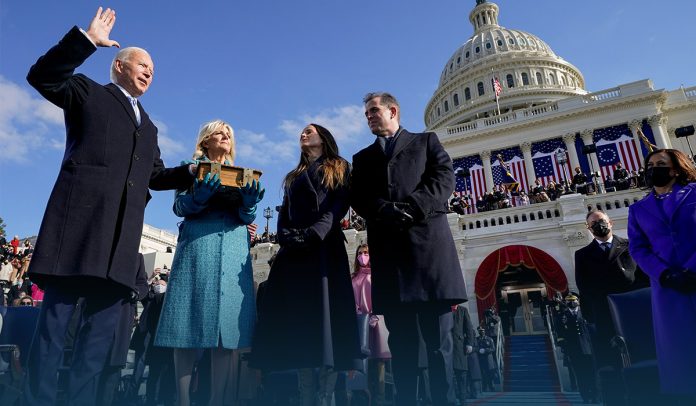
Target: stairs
x=529, y=365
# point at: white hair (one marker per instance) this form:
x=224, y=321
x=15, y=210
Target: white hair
x=123, y=56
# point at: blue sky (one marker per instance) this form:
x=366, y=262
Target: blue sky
x=270, y=67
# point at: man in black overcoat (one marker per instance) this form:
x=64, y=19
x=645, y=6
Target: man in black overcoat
x=604, y=267
x=90, y=234
x=463, y=336
x=400, y=186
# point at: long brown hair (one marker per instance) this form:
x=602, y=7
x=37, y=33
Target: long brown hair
x=333, y=168
x=686, y=172
x=356, y=264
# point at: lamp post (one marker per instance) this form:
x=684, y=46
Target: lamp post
x=562, y=159
x=268, y=214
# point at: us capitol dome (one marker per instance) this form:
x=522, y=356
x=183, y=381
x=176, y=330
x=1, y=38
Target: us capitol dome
x=529, y=72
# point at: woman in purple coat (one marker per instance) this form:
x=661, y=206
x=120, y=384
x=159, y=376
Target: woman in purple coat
x=662, y=235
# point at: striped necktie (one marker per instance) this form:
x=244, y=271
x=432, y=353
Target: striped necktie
x=134, y=102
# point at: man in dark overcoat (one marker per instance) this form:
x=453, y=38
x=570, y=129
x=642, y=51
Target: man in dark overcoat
x=463, y=336
x=400, y=186
x=574, y=339
x=604, y=267
x=90, y=234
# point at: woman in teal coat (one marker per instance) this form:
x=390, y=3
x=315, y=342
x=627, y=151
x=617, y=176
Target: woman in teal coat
x=210, y=295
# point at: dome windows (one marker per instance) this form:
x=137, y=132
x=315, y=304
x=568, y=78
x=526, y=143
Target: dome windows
x=456, y=100
x=525, y=79
x=446, y=106
x=481, y=90
x=500, y=43
x=459, y=60
x=467, y=54
x=539, y=79
x=488, y=45
x=510, y=80
x=467, y=94
x=478, y=49
x=511, y=41
x=522, y=41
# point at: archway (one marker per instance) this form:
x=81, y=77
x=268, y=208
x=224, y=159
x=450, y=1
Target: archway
x=516, y=255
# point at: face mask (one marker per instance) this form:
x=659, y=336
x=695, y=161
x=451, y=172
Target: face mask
x=600, y=228
x=364, y=259
x=658, y=176
x=160, y=288
x=573, y=304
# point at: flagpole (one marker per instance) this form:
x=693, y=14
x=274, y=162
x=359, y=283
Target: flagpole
x=496, y=102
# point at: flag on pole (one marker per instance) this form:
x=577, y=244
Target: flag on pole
x=496, y=87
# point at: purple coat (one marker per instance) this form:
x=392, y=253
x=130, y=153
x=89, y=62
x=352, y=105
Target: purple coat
x=661, y=238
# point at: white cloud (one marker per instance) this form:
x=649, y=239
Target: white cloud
x=171, y=150
x=27, y=123
x=346, y=123
x=258, y=148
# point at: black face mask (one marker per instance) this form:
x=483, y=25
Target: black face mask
x=600, y=228
x=658, y=176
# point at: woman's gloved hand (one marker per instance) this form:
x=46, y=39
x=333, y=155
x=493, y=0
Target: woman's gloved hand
x=252, y=193
x=205, y=189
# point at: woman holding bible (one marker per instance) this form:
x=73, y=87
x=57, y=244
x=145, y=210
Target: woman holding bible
x=210, y=296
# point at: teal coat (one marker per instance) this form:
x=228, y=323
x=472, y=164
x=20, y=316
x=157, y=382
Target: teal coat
x=210, y=294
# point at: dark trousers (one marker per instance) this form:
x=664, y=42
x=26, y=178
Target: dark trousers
x=95, y=335
x=406, y=324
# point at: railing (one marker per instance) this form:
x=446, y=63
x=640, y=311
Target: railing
x=499, y=352
x=602, y=95
x=552, y=337
x=615, y=204
x=569, y=103
x=690, y=92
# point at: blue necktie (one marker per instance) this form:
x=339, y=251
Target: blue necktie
x=134, y=102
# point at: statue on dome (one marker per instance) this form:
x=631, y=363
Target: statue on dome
x=480, y=2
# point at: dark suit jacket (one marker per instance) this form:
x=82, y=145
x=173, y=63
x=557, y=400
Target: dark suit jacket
x=94, y=217
x=598, y=274
x=419, y=264
x=462, y=334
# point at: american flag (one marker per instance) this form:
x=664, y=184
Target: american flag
x=546, y=167
x=475, y=182
x=496, y=87
x=615, y=144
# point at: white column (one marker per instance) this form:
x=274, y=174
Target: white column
x=529, y=164
x=569, y=140
x=634, y=126
x=486, y=158
x=588, y=140
x=657, y=123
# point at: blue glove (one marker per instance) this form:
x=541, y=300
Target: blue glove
x=205, y=189
x=252, y=193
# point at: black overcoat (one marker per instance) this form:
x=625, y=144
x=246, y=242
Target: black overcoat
x=419, y=264
x=308, y=298
x=94, y=217
x=462, y=335
x=599, y=274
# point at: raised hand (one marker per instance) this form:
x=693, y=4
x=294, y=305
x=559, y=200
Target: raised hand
x=100, y=28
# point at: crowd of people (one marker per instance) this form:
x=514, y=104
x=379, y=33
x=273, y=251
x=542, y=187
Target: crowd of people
x=204, y=321
x=501, y=197
x=16, y=287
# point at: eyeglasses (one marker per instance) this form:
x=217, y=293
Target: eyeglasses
x=26, y=304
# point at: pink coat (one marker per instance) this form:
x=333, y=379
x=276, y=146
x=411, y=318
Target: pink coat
x=36, y=292
x=362, y=290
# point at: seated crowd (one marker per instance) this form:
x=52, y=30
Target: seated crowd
x=500, y=197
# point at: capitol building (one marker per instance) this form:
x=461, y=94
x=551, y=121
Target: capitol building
x=540, y=126
x=514, y=257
